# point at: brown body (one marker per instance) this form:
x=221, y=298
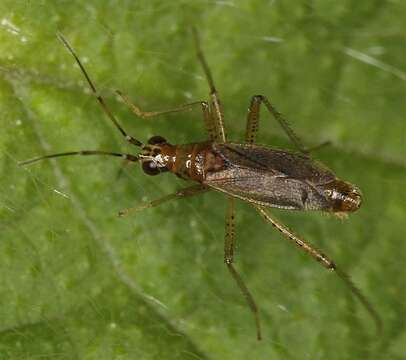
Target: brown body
x=258, y=174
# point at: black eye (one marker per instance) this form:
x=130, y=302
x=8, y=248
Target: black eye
x=157, y=140
x=150, y=168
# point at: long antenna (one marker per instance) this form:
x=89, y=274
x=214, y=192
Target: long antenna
x=99, y=98
x=127, y=157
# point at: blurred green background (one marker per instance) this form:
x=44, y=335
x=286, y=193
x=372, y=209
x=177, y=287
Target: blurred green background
x=79, y=283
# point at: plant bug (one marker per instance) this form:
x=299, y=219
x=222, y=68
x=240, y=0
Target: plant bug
x=260, y=175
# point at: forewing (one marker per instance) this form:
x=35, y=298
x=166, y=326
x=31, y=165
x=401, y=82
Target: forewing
x=267, y=176
x=276, y=162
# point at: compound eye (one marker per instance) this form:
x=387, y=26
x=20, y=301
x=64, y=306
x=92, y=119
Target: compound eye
x=150, y=168
x=157, y=140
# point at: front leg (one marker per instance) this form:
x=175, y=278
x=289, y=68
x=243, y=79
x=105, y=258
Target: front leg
x=204, y=105
x=180, y=194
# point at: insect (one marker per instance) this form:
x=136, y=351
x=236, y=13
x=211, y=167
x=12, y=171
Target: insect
x=262, y=176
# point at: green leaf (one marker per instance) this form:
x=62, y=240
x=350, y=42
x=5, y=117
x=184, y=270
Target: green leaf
x=79, y=282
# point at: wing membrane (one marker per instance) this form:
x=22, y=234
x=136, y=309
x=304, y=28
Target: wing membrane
x=267, y=176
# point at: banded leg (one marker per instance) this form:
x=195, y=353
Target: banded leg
x=180, y=194
x=253, y=120
x=252, y=126
x=215, y=105
x=208, y=120
x=324, y=261
x=229, y=259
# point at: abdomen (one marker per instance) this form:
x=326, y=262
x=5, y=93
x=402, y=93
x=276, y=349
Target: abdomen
x=268, y=177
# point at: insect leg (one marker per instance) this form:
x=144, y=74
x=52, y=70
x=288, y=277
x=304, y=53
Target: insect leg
x=216, y=107
x=253, y=119
x=148, y=114
x=318, y=147
x=99, y=98
x=229, y=259
x=324, y=261
x=180, y=194
x=253, y=125
x=210, y=127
